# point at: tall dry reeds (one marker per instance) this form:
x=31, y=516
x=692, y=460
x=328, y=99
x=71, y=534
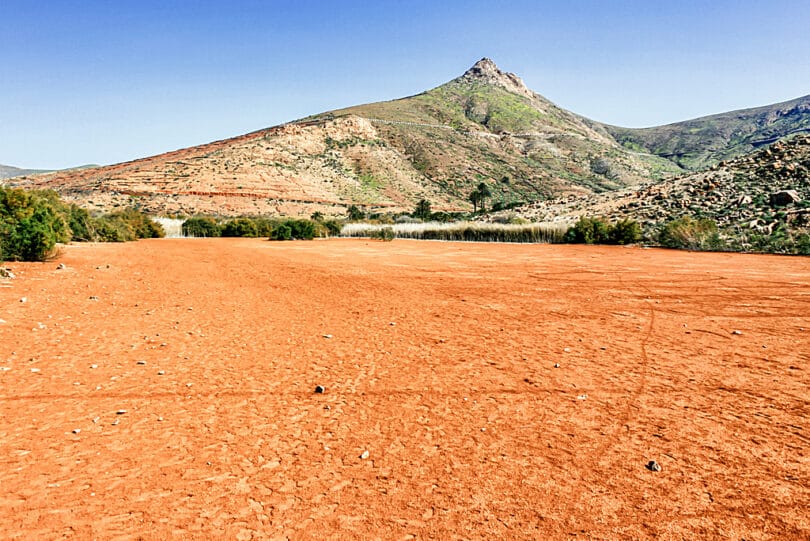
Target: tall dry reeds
x=464, y=231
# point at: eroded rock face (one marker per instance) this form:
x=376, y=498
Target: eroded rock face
x=487, y=71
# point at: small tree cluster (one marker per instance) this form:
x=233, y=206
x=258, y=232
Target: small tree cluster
x=599, y=231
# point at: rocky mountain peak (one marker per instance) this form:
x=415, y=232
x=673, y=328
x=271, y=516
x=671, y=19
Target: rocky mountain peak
x=485, y=70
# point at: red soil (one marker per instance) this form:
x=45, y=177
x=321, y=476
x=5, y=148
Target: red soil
x=440, y=365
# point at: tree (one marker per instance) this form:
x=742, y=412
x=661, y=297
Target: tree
x=479, y=196
x=355, y=214
x=475, y=198
x=422, y=210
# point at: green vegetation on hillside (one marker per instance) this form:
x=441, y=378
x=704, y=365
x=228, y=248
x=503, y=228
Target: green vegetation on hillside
x=703, y=142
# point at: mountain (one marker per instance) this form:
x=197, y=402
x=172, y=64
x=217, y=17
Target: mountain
x=761, y=193
x=702, y=142
x=484, y=126
x=7, y=171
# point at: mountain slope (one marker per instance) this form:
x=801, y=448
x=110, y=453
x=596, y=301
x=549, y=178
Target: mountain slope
x=702, y=142
x=484, y=126
x=737, y=195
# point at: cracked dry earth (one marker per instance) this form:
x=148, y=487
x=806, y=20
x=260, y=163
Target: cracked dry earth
x=440, y=370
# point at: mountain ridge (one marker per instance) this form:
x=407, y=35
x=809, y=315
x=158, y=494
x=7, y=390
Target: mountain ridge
x=485, y=125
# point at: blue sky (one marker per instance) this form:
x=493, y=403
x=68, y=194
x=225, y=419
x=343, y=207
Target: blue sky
x=89, y=81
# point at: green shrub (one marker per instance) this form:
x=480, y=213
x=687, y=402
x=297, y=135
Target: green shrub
x=127, y=225
x=803, y=244
x=625, y=232
x=385, y=234
x=81, y=224
x=282, y=231
x=296, y=229
x=302, y=229
x=589, y=231
x=240, y=227
x=689, y=233
x=31, y=223
x=201, y=226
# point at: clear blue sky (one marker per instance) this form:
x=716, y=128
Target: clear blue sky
x=90, y=81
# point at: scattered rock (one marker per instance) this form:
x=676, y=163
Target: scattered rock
x=93, y=298
x=120, y=412
x=142, y=363
x=77, y=430
x=556, y=365
x=652, y=465
x=24, y=300
x=582, y=397
x=161, y=372
x=327, y=336
x=319, y=389
x=61, y=266
x=114, y=423
x=364, y=455
x=736, y=332
x=94, y=366
x=5, y=272
x=35, y=370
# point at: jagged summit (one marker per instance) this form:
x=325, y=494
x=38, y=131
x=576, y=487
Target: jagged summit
x=485, y=70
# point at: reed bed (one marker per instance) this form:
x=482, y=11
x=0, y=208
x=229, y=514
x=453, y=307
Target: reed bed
x=545, y=233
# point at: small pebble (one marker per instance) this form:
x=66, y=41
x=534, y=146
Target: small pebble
x=556, y=365
x=327, y=407
x=364, y=455
x=327, y=336
x=96, y=420
x=567, y=350
x=24, y=299
x=60, y=266
x=4, y=368
x=652, y=465
x=161, y=372
x=393, y=324
x=35, y=370
x=319, y=389
x=120, y=412
x=160, y=418
x=114, y=423
x=93, y=298
x=736, y=332
x=77, y=430
x=94, y=366
x=142, y=363
x=189, y=384
x=582, y=397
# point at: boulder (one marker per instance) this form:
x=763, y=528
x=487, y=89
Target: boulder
x=783, y=198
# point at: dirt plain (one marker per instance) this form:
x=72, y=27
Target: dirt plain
x=438, y=361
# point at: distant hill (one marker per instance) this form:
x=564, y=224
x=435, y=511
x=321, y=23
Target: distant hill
x=702, y=142
x=7, y=171
x=484, y=126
